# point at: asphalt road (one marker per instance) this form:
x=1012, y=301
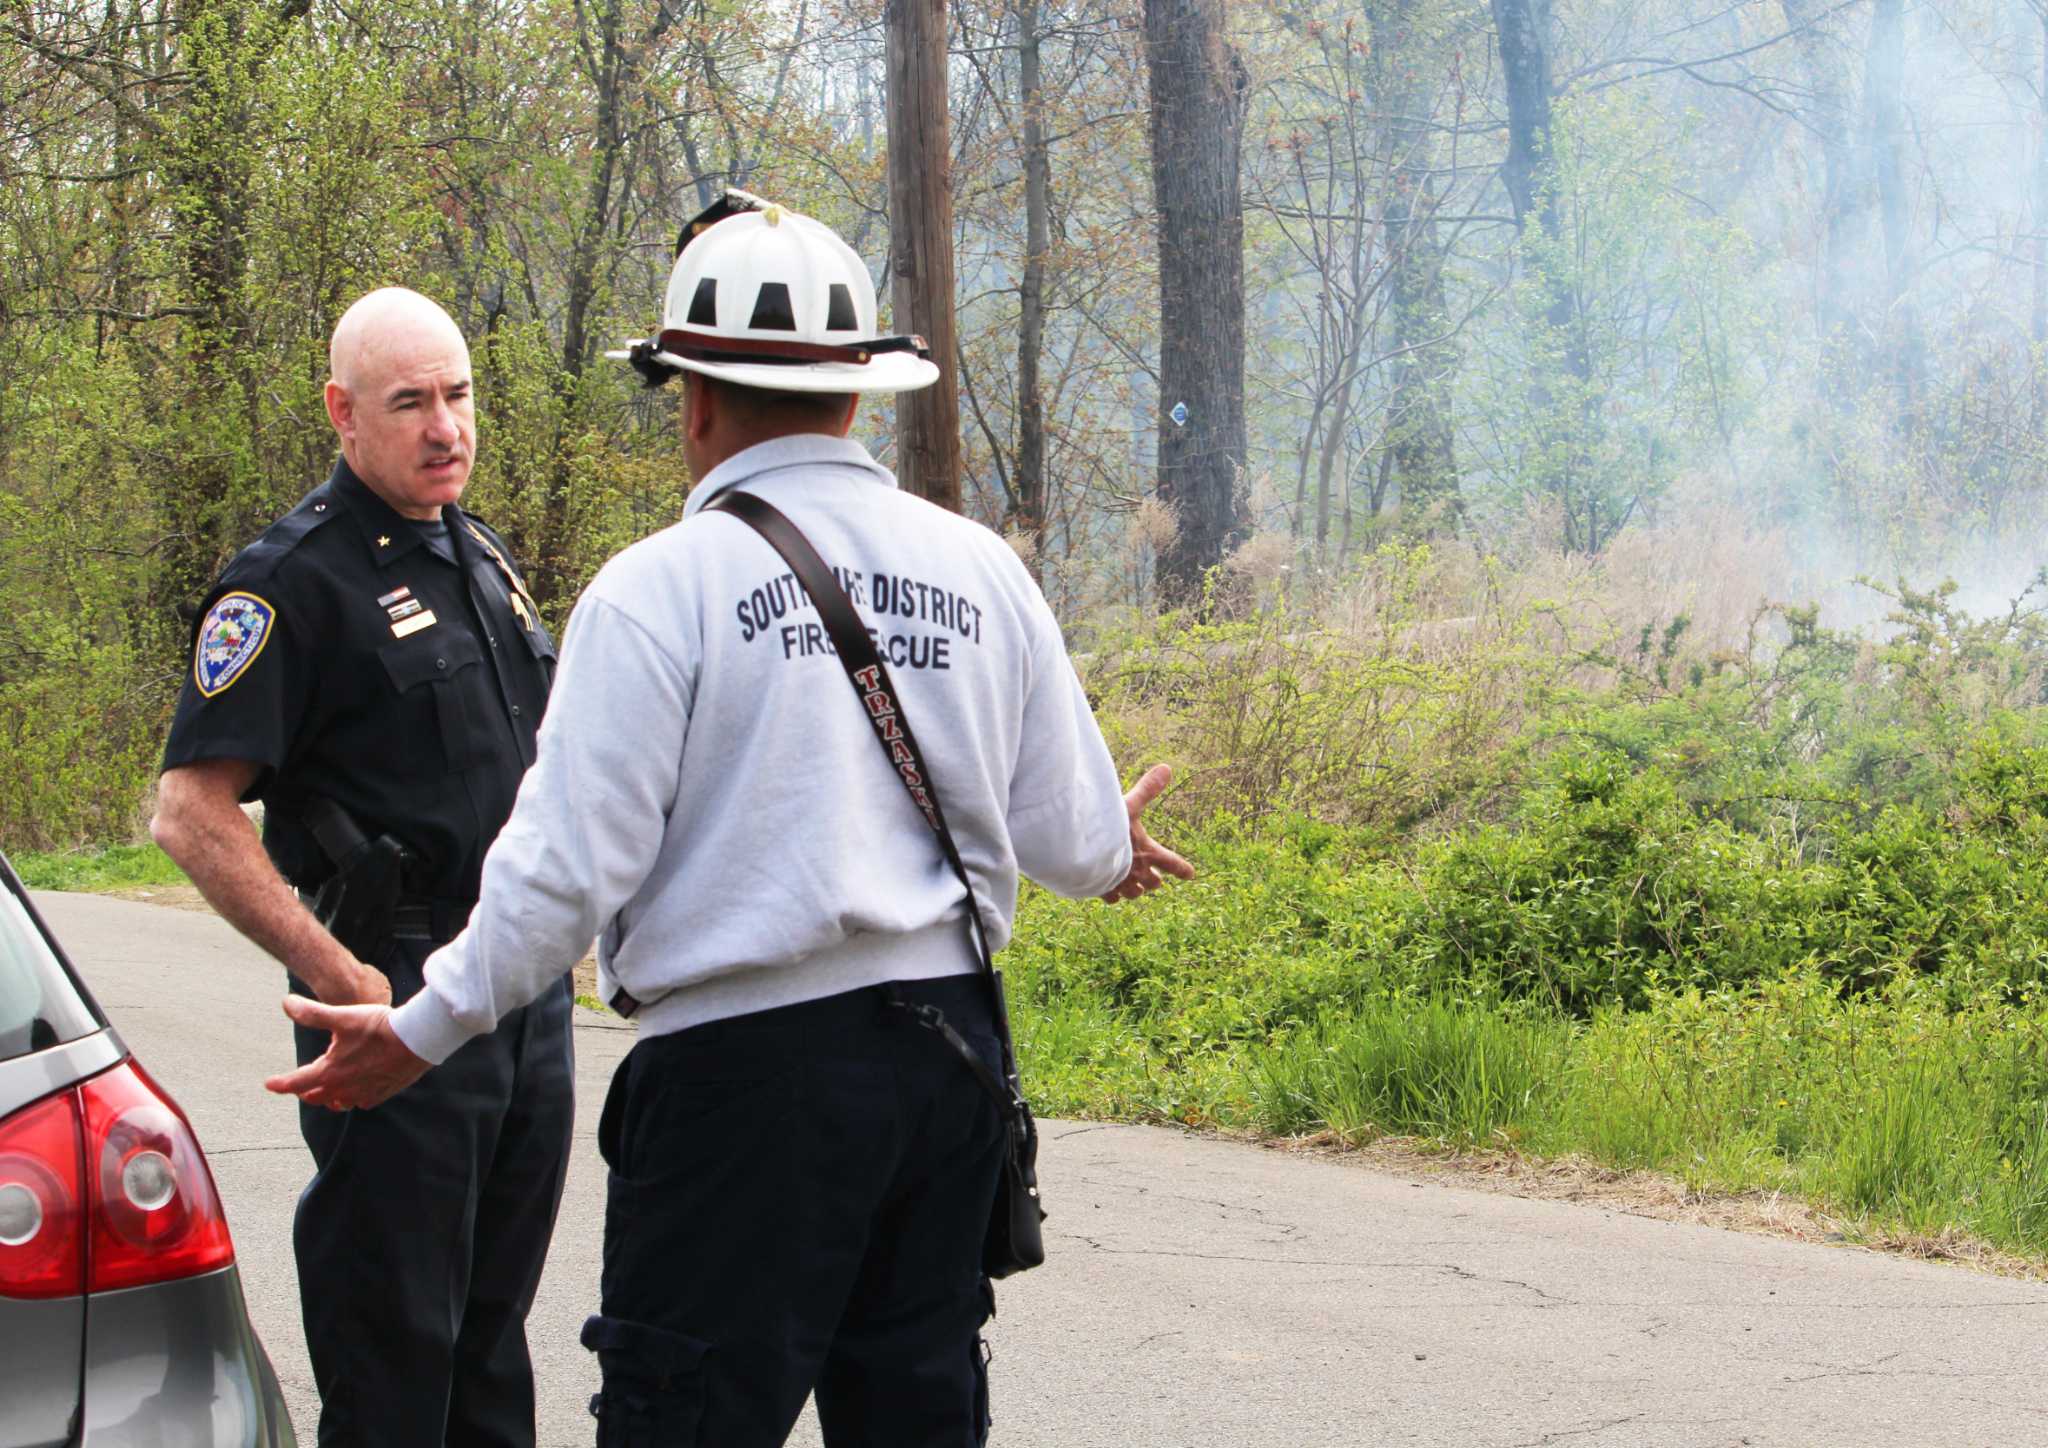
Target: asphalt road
x=1208, y=1293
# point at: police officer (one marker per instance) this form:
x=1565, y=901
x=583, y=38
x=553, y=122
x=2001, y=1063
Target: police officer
x=801, y=1178
x=372, y=669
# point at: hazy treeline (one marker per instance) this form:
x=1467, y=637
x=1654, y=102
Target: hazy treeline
x=1529, y=269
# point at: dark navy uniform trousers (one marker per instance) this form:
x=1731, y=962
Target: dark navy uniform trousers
x=421, y=1236
x=797, y=1203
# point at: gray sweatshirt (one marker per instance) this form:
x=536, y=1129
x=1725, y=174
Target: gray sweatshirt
x=709, y=797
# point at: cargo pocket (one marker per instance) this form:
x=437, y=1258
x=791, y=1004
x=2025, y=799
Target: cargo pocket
x=653, y=1395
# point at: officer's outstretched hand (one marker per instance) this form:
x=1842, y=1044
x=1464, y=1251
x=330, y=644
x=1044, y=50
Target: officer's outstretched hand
x=365, y=1063
x=1149, y=859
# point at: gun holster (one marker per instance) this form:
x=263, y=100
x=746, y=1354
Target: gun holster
x=359, y=901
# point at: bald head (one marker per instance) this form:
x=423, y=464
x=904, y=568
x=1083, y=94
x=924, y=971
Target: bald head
x=399, y=399
x=381, y=322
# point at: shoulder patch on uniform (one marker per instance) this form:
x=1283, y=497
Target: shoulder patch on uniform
x=231, y=635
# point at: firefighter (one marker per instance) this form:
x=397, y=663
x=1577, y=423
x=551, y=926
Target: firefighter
x=801, y=1176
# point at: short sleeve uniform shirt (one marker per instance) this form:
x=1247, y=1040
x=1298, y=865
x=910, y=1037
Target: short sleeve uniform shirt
x=352, y=657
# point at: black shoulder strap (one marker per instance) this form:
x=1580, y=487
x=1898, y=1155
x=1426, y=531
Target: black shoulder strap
x=884, y=708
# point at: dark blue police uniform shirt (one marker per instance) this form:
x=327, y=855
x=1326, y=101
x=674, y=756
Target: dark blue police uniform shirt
x=340, y=654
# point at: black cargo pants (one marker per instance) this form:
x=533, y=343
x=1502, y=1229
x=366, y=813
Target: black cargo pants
x=796, y=1203
x=421, y=1237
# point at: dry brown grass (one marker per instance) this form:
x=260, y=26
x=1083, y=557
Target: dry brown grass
x=1399, y=689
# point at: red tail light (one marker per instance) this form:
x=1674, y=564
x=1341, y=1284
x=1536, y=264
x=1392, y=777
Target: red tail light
x=155, y=1213
x=42, y=1237
x=101, y=1187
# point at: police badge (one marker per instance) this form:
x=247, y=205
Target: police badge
x=234, y=632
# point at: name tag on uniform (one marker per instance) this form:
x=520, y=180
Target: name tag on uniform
x=405, y=628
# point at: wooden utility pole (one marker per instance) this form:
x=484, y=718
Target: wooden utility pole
x=921, y=244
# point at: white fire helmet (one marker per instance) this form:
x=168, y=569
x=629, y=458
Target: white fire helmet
x=763, y=296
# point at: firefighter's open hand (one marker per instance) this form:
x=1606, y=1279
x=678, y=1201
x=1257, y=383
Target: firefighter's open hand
x=1151, y=861
x=365, y=1063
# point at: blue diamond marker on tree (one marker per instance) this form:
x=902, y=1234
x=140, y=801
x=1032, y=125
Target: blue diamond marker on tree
x=1179, y=414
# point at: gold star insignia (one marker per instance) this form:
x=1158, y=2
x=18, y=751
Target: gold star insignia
x=383, y=542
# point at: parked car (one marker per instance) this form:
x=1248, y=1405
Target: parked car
x=121, y=1312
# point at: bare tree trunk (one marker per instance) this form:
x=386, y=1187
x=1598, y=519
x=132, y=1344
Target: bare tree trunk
x=1347, y=324
x=1529, y=174
x=1030, y=478
x=921, y=244
x=617, y=59
x=1523, y=27
x=1198, y=86
x=864, y=94
x=225, y=48
x=1333, y=445
x=609, y=77
x=1842, y=210
x=2039, y=330
x=1298, y=524
x=1529, y=170
x=1419, y=428
x=1883, y=84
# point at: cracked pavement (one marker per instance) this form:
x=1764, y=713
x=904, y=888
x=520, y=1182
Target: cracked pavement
x=1204, y=1292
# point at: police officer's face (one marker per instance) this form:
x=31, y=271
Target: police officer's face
x=405, y=415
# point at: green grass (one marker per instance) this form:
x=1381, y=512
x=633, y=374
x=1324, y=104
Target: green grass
x=1299, y=990
x=1894, y=1113
x=113, y=867
x=1432, y=1068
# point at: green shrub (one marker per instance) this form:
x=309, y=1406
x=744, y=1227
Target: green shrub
x=1278, y=927
x=78, y=749
x=1605, y=884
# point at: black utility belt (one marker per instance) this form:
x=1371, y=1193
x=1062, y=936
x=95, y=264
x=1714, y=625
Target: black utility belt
x=419, y=917
x=429, y=919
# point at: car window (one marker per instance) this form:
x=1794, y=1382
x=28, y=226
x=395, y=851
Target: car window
x=38, y=1006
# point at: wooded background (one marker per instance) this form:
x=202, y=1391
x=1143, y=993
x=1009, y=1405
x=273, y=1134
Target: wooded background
x=1263, y=284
